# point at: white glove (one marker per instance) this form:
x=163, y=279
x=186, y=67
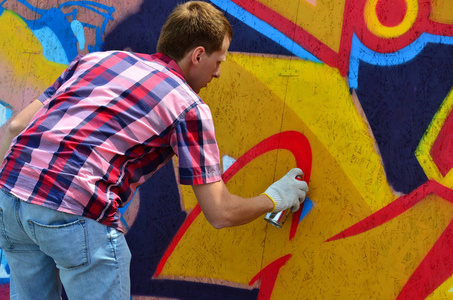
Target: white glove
x=288, y=192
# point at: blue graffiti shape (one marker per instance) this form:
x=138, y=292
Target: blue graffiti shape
x=5, y=112
x=4, y=269
x=400, y=94
x=103, y=10
x=306, y=208
x=59, y=36
x=1, y=8
x=360, y=53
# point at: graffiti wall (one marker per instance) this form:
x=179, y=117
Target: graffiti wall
x=355, y=92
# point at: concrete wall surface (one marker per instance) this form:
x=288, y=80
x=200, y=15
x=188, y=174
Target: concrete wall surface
x=355, y=92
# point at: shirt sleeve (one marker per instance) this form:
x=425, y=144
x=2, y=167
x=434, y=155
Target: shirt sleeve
x=194, y=143
x=60, y=80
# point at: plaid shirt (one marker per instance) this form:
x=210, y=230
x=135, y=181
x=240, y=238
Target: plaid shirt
x=109, y=122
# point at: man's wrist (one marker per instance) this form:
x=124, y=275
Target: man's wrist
x=274, y=204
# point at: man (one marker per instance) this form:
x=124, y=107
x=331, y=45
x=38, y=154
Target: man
x=109, y=122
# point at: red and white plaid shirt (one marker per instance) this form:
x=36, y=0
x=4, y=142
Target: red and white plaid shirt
x=109, y=122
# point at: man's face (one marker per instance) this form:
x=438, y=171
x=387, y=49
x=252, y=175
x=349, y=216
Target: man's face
x=208, y=67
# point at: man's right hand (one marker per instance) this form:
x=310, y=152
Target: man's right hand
x=288, y=192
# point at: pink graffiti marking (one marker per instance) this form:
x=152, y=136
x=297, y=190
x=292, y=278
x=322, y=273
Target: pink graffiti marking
x=268, y=276
x=437, y=266
x=442, y=148
x=391, y=12
x=293, y=141
x=4, y=291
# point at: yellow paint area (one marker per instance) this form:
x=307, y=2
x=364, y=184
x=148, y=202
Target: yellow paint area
x=320, y=99
x=323, y=20
x=423, y=150
x=376, y=27
x=257, y=97
x=442, y=11
x=21, y=53
x=444, y=291
x=373, y=265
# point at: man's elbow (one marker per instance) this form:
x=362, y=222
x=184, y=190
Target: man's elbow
x=220, y=221
x=16, y=127
x=217, y=225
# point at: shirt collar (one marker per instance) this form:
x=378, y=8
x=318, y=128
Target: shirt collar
x=171, y=63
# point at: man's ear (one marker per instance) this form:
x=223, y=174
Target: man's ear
x=197, y=55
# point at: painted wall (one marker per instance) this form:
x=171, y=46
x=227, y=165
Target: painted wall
x=356, y=92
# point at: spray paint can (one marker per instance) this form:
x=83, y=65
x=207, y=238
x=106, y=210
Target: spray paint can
x=278, y=218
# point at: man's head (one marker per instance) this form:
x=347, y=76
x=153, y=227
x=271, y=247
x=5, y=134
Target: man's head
x=193, y=24
x=197, y=36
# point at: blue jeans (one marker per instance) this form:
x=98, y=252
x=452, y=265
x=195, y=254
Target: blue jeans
x=46, y=248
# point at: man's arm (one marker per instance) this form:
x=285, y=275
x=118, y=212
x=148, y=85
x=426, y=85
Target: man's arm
x=18, y=124
x=223, y=209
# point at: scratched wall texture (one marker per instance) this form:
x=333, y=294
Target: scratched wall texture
x=356, y=92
